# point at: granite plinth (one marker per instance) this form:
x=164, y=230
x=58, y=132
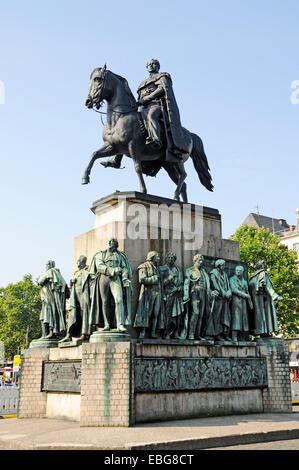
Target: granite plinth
x=269, y=341
x=71, y=344
x=112, y=382
x=108, y=337
x=173, y=342
x=144, y=222
x=43, y=343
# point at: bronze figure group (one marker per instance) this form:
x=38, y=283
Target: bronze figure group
x=198, y=305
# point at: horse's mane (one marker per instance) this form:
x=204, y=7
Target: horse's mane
x=127, y=88
x=122, y=79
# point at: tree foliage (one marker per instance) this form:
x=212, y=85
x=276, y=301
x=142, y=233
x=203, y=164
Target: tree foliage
x=260, y=244
x=20, y=307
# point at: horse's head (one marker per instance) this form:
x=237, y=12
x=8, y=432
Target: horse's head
x=97, y=88
x=103, y=86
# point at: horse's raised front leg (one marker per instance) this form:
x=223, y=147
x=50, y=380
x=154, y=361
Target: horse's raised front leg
x=103, y=152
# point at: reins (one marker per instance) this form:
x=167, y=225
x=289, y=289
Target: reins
x=132, y=108
x=115, y=111
x=118, y=112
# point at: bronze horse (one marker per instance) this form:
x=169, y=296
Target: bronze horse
x=124, y=134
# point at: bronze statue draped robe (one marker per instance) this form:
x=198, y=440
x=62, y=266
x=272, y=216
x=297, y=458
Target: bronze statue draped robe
x=163, y=80
x=203, y=295
x=263, y=296
x=172, y=297
x=54, y=292
x=221, y=316
x=239, y=304
x=79, y=304
x=150, y=297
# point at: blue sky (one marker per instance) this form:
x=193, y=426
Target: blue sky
x=232, y=64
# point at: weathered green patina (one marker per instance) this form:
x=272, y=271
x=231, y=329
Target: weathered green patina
x=54, y=292
x=78, y=326
x=172, y=280
x=263, y=297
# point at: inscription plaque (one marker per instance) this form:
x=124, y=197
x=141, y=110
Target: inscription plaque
x=61, y=376
x=161, y=375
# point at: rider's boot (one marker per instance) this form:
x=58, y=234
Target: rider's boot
x=154, y=143
x=113, y=162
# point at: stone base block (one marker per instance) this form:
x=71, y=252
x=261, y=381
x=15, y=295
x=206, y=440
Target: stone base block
x=188, y=405
x=144, y=222
x=120, y=383
x=63, y=406
x=43, y=343
x=109, y=337
x=71, y=344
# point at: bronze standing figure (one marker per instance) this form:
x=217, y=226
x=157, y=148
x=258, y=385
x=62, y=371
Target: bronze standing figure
x=111, y=297
x=149, y=315
x=220, y=324
x=263, y=297
x=240, y=305
x=79, y=303
x=197, y=297
x=172, y=279
x=54, y=292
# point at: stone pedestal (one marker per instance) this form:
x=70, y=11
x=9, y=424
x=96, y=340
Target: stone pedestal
x=278, y=396
x=37, y=398
x=107, y=385
x=109, y=337
x=143, y=222
x=43, y=343
x=32, y=402
x=114, y=383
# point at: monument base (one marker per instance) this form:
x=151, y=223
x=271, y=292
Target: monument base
x=112, y=336
x=144, y=222
x=71, y=344
x=269, y=340
x=43, y=343
x=121, y=383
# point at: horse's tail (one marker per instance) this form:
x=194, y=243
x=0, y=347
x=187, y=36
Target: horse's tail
x=200, y=162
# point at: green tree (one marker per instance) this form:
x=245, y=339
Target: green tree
x=20, y=307
x=260, y=244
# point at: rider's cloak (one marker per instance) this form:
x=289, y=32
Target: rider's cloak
x=179, y=137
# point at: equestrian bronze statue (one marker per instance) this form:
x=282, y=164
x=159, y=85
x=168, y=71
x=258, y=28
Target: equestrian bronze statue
x=148, y=130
